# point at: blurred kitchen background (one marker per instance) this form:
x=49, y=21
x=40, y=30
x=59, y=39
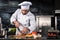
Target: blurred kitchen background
x=44, y=11
x=39, y=7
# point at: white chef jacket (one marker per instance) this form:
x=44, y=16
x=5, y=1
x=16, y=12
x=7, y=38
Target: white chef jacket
x=25, y=20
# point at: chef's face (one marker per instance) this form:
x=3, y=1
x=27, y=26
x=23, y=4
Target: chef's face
x=24, y=11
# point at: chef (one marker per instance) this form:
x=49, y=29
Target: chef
x=23, y=19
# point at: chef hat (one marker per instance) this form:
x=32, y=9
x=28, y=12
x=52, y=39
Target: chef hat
x=25, y=5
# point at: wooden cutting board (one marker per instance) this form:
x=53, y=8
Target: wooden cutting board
x=20, y=36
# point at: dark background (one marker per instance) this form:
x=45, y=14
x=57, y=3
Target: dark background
x=39, y=7
x=57, y=4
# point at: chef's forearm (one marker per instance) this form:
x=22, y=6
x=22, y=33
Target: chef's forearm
x=16, y=23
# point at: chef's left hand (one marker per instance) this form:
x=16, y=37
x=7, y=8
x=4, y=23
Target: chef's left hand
x=25, y=30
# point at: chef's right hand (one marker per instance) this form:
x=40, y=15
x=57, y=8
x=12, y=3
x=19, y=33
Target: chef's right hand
x=16, y=23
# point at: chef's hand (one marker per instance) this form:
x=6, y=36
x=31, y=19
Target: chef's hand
x=25, y=30
x=16, y=23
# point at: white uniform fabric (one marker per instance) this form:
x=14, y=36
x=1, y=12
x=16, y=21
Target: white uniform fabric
x=24, y=20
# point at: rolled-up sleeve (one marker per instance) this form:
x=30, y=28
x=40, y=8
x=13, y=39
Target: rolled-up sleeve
x=13, y=17
x=32, y=26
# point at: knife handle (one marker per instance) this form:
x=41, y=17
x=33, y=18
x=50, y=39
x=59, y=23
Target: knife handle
x=19, y=30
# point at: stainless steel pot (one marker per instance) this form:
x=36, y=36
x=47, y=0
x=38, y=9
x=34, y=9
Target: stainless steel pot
x=2, y=32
